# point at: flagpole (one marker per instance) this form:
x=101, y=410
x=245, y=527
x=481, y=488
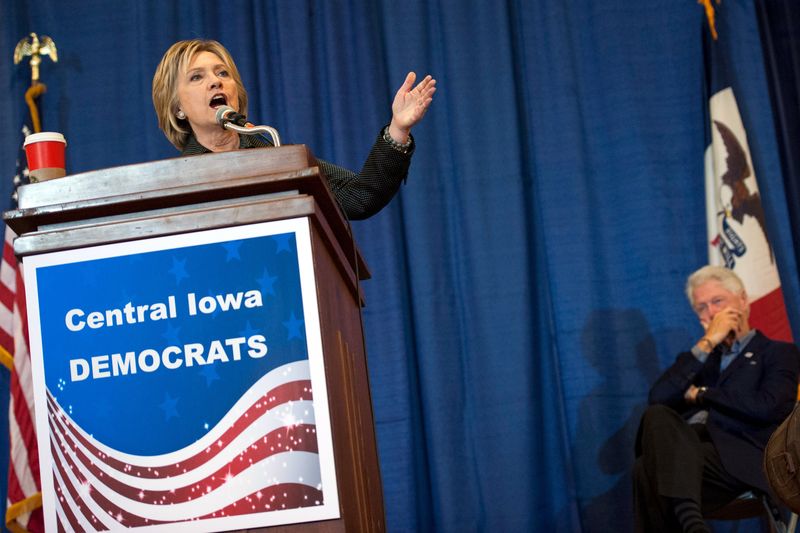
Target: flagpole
x=24, y=499
x=35, y=91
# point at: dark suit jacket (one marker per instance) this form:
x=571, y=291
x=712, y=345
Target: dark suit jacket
x=359, y=195
x=746, y=402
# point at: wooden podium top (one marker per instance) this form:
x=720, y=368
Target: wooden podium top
x=167, y=183
x=171, y=186
x=109, y=184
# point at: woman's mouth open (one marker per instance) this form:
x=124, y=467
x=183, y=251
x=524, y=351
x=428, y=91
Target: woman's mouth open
x=218, y=100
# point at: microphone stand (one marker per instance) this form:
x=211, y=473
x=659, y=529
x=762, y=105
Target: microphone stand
x=256, y=130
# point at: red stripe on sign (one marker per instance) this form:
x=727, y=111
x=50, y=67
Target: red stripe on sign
x=275, y=498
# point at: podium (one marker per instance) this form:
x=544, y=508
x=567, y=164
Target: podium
x=196, y=345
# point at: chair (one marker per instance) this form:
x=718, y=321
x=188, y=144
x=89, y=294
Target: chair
x=752, y=504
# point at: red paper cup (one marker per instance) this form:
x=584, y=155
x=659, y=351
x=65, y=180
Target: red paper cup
x=45, y=153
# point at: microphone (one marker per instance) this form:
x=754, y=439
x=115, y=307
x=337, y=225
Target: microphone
x=226, y=114
x=228, y=118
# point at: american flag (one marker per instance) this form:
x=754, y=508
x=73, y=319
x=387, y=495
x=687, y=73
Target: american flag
x=261, y=457
x=24, y=502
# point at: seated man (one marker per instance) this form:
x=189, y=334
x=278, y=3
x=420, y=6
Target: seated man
x=701, y=441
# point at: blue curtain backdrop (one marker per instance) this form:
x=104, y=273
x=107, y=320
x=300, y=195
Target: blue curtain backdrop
x=778, y=23
x=527, y=281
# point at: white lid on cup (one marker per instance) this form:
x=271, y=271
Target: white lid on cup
x=44, y=137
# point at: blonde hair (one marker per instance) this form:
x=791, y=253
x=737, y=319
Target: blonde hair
x=725, y=276
x=165, y=85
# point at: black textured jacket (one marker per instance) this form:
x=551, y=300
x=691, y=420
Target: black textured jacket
x=359, y=195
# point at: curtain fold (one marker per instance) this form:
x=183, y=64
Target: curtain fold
x=778, y=22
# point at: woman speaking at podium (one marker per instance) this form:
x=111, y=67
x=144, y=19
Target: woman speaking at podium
x=196, y=77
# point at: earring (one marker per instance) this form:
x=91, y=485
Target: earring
x=180, y=114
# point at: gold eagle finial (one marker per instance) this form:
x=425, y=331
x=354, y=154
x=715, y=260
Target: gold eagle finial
x=35, y=48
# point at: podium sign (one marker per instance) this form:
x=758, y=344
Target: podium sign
x=180, y=384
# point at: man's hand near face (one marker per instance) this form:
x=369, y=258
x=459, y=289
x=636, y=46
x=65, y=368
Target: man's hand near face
x=725, y=326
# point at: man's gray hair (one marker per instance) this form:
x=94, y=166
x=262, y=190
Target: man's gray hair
x=725, y=276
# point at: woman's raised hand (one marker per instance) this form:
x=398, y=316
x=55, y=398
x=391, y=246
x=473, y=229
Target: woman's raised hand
x=410, y=105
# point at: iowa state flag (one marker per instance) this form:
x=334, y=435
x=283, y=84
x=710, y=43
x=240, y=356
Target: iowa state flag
x=737, y=232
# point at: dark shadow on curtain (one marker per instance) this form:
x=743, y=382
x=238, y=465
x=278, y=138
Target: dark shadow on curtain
x=619, y=345
x=605, y=459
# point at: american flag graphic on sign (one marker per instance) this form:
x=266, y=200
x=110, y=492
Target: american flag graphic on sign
x=261, y=457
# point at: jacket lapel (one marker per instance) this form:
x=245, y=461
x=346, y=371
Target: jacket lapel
x=755, y=346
